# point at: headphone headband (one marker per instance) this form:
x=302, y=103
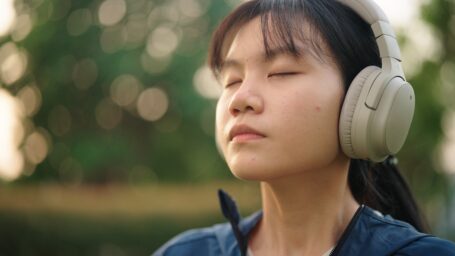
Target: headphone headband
x=389, y=50
x=379, y=104
x=367, y=9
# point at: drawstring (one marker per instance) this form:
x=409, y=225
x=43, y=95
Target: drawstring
x=231, y=213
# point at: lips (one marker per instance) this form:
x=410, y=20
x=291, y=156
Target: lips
x=244, y=133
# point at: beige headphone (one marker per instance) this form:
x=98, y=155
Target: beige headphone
x=378, y=108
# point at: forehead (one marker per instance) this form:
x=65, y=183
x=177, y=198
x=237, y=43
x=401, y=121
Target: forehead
x=249, y=44
x=263, y=38
x=247, y=38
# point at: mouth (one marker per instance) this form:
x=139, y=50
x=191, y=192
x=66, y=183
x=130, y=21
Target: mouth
x=243, y=133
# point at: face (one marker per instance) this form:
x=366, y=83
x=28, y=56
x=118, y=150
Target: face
x=276, y=116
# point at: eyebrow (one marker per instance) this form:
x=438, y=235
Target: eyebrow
x=266, y=57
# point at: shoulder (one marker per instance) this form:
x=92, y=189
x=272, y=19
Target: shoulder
x=215, y=240
x=190, y=242
x=429, y=245
x=388, y=236
x=388, y=230
x=201, y=241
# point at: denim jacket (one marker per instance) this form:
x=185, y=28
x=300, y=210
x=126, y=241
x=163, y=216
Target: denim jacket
x=368, y=233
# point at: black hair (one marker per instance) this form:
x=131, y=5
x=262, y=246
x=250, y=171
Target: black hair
x=330, y=31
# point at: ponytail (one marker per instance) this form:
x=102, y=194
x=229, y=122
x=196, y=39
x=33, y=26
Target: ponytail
x=382, y=187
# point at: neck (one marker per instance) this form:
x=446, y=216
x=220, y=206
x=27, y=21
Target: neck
x=304, y=214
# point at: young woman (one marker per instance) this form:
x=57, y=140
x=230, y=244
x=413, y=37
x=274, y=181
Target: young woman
x=292, y=73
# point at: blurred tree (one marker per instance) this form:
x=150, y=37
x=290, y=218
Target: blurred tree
x=118, y=90
x=421, y=155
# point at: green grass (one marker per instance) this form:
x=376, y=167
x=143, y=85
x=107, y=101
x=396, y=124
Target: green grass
x=63, y=234
x=108, y=220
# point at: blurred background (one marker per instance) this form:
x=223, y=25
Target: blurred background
x=107, y=119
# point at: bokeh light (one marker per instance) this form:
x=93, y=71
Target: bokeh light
x=111, y=12
x=22, y=27
x=152, y=104
x=7, y=16
x=205, y=83
x=13, y=63
x=30, y=97
x=135, y=30
x=422, y=45
x=125, y=89
x=11, y=135
x=36, y=147
x=192, y=9
x=400, y=12
x=162, y=42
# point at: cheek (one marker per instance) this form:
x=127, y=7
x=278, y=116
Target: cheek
x=311, y=137
x=325, y=116
x=313, y=117
x=221, y=110
x=220, y=120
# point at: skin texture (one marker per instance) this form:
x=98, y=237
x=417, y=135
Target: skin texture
x=277, y=123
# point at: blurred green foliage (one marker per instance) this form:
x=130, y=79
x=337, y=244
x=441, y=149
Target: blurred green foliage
x=178, y=146
x=93, y=139
x=56, y=234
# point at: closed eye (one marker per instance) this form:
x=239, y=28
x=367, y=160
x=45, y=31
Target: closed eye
x=282, y=74
x=232, y=83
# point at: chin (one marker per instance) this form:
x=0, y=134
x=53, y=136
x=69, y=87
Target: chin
x=247, y=175
x=252, y=169
x=253, y=172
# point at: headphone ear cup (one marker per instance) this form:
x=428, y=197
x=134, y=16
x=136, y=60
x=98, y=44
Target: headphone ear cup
x=351, y=102
x=391, y=120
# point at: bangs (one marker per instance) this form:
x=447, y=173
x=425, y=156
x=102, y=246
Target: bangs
x=289, y=27
x=285, y=25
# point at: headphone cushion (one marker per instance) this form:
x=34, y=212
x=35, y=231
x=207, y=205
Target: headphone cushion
x=351, y=101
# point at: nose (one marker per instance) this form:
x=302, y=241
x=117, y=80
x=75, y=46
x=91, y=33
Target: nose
x=247, y=98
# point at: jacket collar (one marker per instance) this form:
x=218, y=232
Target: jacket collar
x=228, y=242
x=240, y=228
x=368, y=233
x=372, y=233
